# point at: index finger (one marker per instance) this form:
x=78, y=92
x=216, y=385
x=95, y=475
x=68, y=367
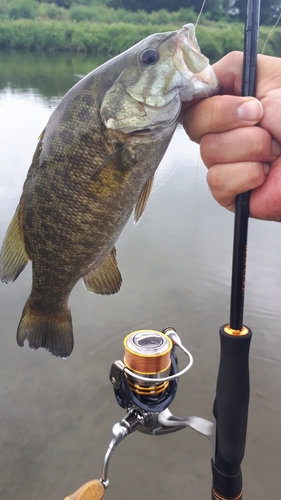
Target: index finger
x=229, y=72
x=221, y=114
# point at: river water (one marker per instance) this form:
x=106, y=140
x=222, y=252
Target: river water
x=56, y=415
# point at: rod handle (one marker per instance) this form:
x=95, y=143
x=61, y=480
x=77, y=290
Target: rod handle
x=231, y=411
x=92, y=490
x=226, y=487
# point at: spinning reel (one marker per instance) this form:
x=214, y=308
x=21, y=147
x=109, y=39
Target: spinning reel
x=145, y=383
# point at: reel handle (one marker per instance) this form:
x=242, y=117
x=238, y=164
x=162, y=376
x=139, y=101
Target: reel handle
x=92, y=490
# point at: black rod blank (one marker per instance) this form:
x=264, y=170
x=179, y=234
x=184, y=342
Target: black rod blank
x=242, y=200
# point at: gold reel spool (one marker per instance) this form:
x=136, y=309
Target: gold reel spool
x=147, y=353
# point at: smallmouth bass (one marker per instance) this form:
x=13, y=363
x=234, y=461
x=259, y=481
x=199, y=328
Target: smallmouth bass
x=94, y=164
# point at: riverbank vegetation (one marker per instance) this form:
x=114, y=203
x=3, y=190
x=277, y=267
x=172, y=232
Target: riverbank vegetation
x=95, y=26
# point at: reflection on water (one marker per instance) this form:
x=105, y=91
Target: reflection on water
x=50, y=74
x=56, y=416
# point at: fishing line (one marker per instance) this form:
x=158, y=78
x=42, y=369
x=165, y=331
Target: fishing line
x=196, y=183
x=196, y=225
x=200, y=12
x=169, y=176
x=270, y=33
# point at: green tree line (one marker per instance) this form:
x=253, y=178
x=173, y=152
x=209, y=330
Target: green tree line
x=216, y=10
x=95, y=26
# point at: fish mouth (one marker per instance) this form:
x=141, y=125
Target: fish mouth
x=194, y=66
x=195, y=61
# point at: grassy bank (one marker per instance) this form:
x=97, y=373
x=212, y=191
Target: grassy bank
x=215, y=39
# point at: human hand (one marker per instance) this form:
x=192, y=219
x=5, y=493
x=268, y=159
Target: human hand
x=239, y=155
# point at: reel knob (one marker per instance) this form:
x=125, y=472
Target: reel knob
x=92, y=490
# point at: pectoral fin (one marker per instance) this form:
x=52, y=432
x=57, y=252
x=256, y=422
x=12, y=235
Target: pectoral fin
x=113, y=172
x=106, y=278
x=121, y=160
x=13, y=253
x=142, y=200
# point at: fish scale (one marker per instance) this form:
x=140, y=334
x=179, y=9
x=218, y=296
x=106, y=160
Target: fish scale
x=94, y=163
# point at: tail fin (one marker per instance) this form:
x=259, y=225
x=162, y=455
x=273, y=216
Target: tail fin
x=52, y=331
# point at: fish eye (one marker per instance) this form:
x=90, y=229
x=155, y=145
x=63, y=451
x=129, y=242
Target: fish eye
x=149, y=56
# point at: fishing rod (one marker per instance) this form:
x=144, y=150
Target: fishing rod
x=232, y=391
x=146, y=381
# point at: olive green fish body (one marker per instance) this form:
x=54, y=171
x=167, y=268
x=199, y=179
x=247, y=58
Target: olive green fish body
x=93, y=165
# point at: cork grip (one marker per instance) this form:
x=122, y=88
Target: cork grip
x=93, y=490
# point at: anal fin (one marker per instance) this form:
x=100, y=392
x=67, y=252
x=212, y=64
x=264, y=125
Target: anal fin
x=142, y=200
x=104, y=279
x=13, y=257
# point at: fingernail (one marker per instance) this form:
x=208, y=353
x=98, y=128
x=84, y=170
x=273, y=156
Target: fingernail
x=250, y=110
x=276, y=148
x=266, y=167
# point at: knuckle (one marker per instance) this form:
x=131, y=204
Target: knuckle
x=255, y=174
x=234, y=58
x=214, y=179
x=208, y=147
x=189, y=125
x=259, y=141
